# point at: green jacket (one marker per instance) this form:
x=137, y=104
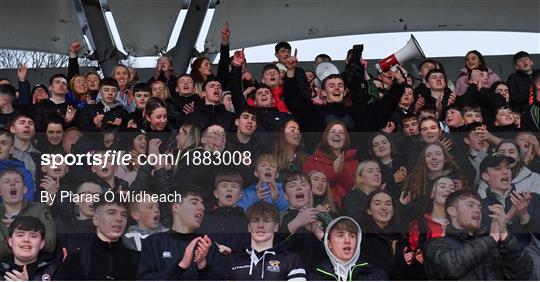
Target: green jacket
x=38, y=210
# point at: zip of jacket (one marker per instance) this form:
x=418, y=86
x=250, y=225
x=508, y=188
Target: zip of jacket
x=350, y=273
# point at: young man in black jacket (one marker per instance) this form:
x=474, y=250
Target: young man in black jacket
x=226, y=224
x=468, y=252
x=107, y=111
x=104, y=257
x=301, y=226
x=56, y=105
x=352, y=106
x=520, y=81
x=263, y=260
x=180, y=253
x=247, y=139
x=212, y=112
x=26, y=240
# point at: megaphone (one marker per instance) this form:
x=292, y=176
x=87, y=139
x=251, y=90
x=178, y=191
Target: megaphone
x=409, y=51
x=323, y=70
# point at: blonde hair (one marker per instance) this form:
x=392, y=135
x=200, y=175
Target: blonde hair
x=267, y=158
x=193, y=136
x=165, y=88
x=360, y=169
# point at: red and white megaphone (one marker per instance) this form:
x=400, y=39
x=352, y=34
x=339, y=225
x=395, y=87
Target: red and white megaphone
x=409, y=51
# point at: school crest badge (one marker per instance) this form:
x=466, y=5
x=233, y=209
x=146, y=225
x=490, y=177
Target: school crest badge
x=273, y=266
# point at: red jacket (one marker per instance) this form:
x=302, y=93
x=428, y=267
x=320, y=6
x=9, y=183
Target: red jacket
x=434, y=230
x=340, y=183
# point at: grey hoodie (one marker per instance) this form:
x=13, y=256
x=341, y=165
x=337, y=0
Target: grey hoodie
x=343, y=269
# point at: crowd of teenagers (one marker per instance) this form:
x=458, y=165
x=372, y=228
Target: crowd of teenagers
x=356, y=177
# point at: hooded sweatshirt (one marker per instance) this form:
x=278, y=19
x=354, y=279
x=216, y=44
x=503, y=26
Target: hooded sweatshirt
x=353, y=269
x=343, y=269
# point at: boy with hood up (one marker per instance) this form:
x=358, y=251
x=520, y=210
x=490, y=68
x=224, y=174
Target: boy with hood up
x=342, y=244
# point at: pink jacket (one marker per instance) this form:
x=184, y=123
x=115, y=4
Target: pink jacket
x=462, y=83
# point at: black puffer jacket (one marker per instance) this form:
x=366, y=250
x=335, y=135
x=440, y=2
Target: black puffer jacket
x=519, y=84
x=460, y=256
x=43, y=269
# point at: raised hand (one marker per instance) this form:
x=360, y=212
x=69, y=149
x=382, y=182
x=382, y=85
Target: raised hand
x=451, y=99
x=74, y=49
x=400, y=74
x=273, y=191
x=447, y=144
x=189, y=108
x=203, y=246
x=153, y=146
x=225, y=34
x=419, y=256
x=306, y=216
x=498, y=228
x=338, y=162
x=292, y=61
x=400, y=175
x=238, y=58
x=189, y=253
x=22, y=71
x=405, y=197
x=419, y=104
x=520, y=203
x=323, y=208
x=49, y=184
x=390, y=127
x=408, y=256
x=262, y=192
x=131, y=124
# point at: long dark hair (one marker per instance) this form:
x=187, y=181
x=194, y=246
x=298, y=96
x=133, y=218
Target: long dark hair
x=480, y=58
x=279, y=146
x=393, y=151
x=153, y=104
x=393, y=225
x=195, y=74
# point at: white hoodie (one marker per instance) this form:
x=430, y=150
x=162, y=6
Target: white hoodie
x=343, y=269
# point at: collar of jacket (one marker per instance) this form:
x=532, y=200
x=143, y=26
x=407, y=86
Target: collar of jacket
x=500, y=199
x=523, y=173
x=462, y=234
x=227, y=210
x=524, y=74
x=8, y=263
x=321, y=156
x=212, y=108
x=107, y=245
x=24, y=207
x=326, y=268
